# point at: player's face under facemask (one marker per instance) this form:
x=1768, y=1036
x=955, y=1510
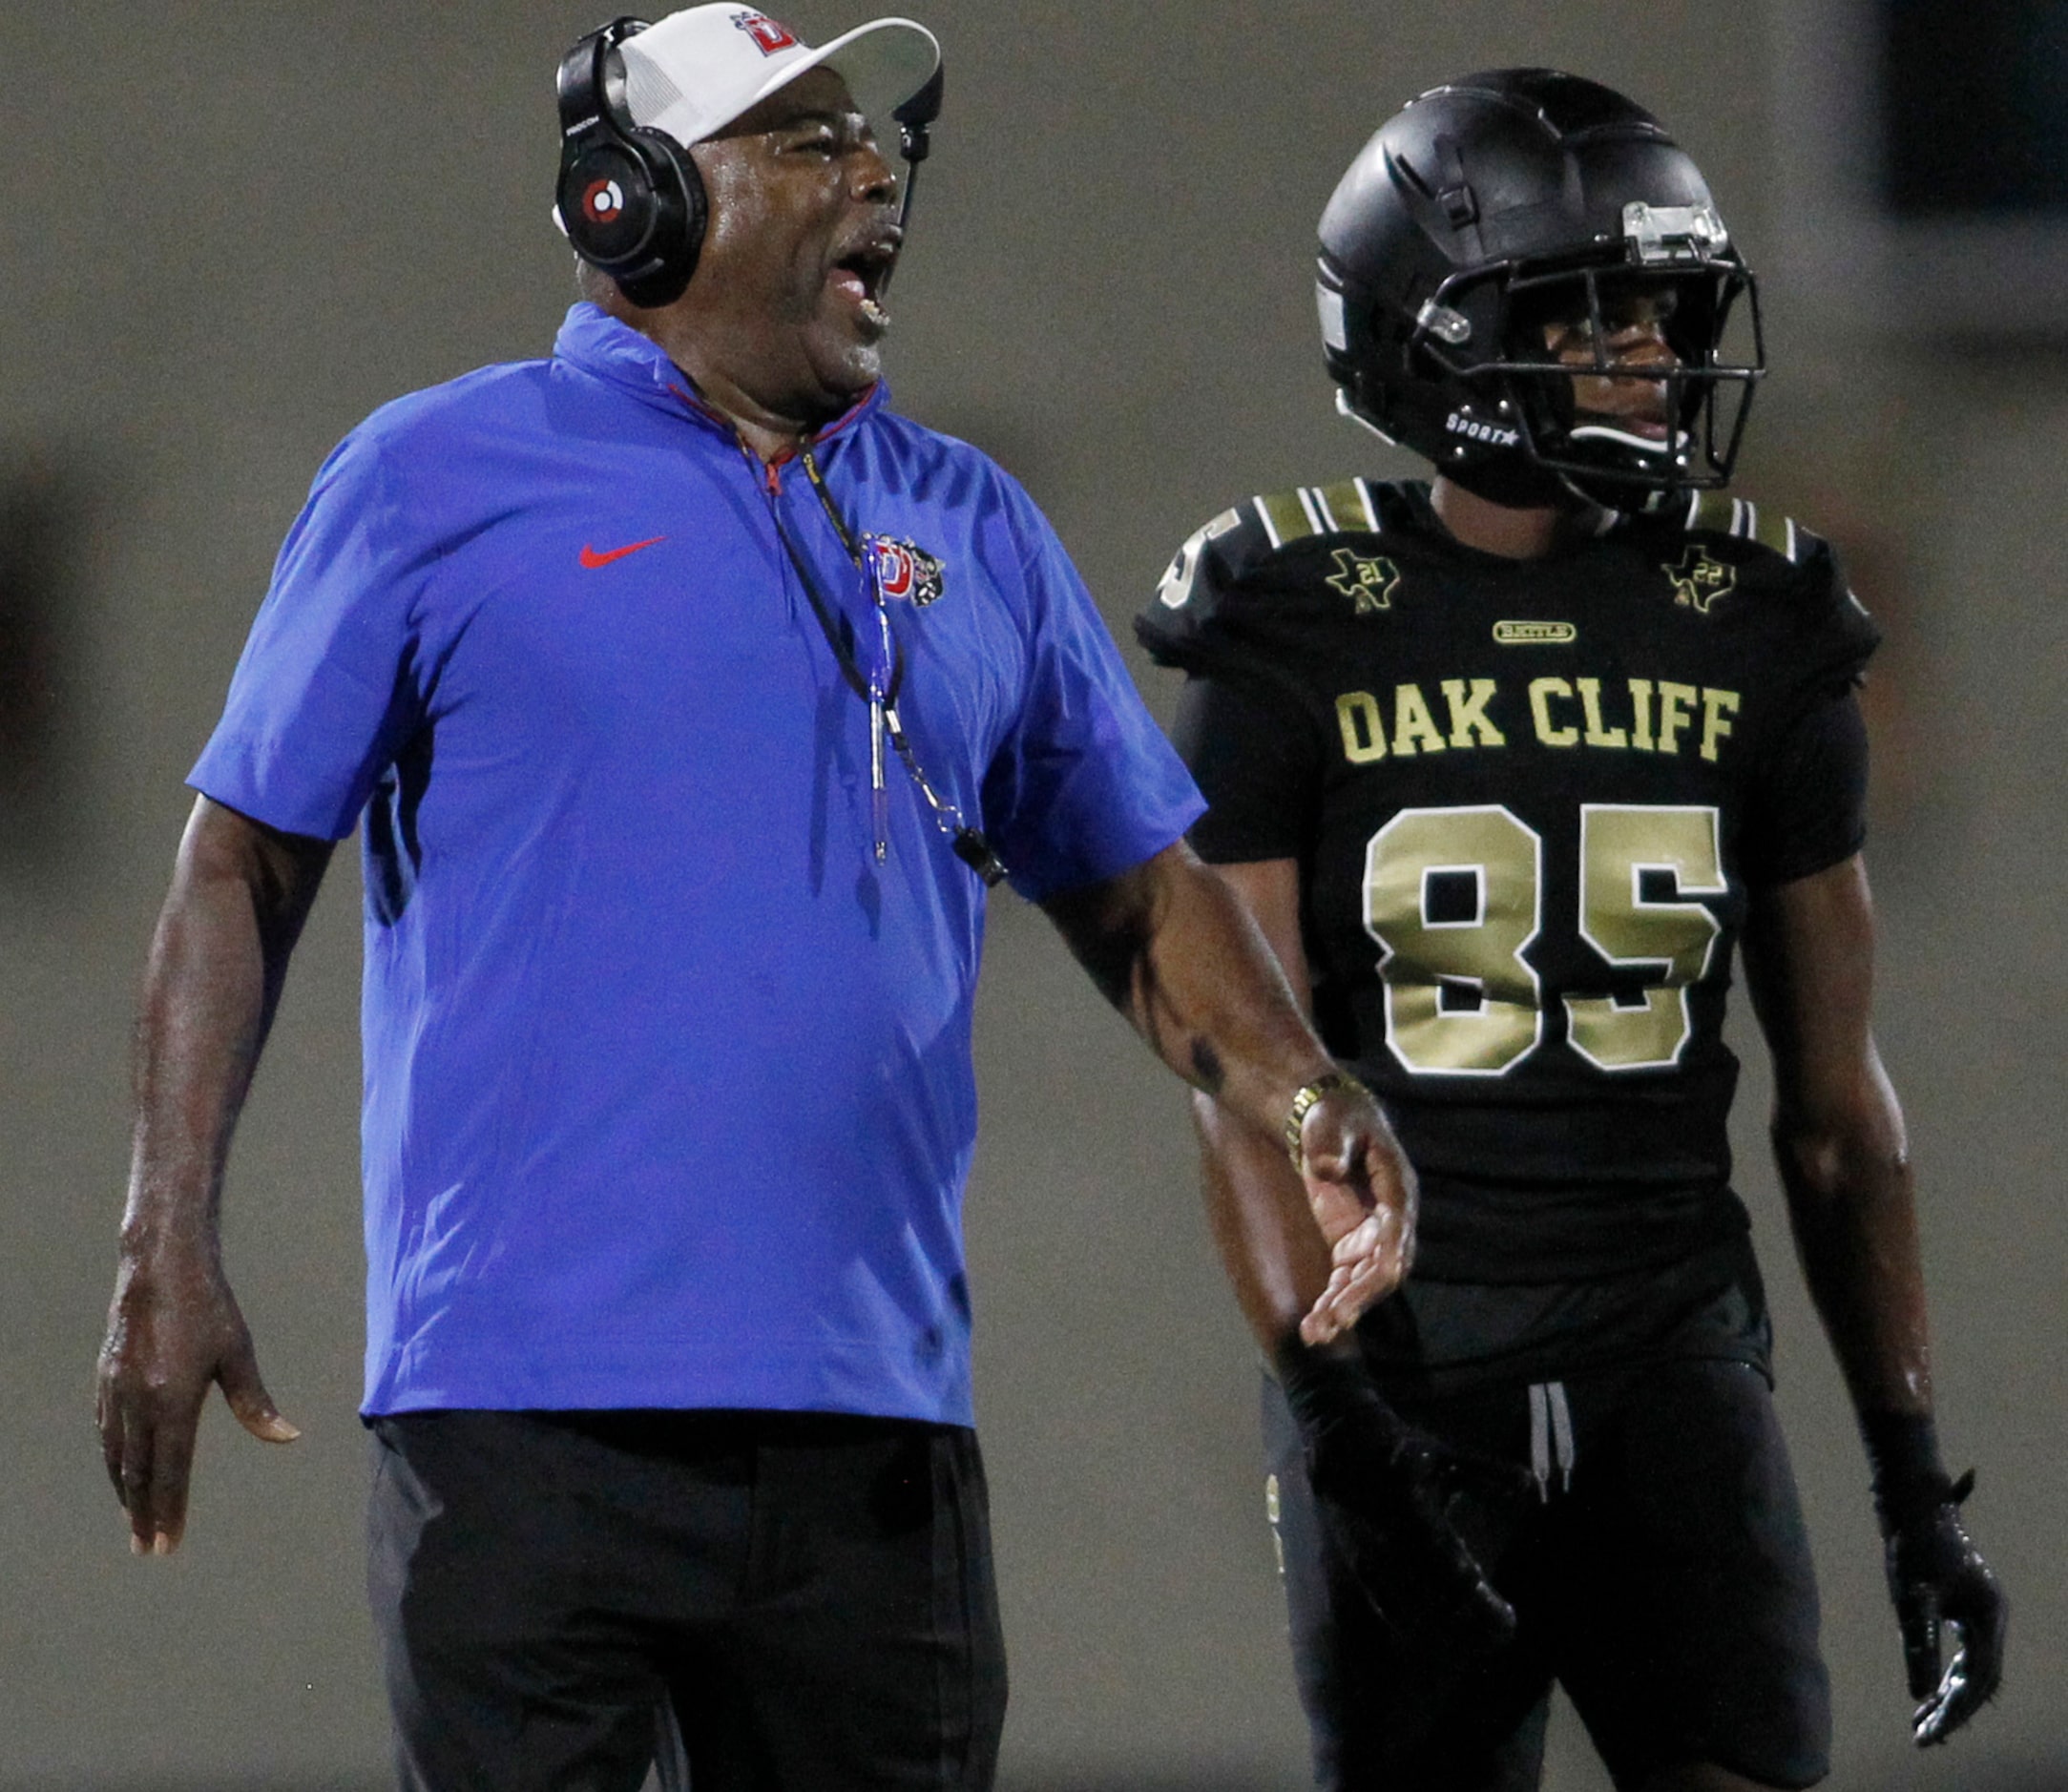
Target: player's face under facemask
x=1610, y=345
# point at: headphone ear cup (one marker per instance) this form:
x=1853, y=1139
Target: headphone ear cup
x=635, y=207
x=606, y=205
x=682, y=214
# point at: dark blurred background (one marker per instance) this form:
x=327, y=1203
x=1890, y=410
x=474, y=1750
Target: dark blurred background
x=231, y=229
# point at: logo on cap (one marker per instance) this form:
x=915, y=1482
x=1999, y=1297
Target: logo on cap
x=603, y=201
x=907, y=571
x=768, y=36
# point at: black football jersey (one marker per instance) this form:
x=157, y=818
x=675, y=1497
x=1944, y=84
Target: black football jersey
x=1526, y=800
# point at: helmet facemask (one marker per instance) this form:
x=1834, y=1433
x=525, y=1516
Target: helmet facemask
x=1628, y=383
x=1575, y=340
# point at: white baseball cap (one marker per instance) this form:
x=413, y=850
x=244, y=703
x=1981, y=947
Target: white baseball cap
x=692, y=73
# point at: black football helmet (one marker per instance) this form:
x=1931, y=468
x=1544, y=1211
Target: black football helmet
x=1495, y=213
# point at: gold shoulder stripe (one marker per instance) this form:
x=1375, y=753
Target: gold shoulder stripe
x=1727, y=515
x=1346, y=505
x=1715, y=511
x=1285, y=518
x=1333, y=510
x=1777, y=532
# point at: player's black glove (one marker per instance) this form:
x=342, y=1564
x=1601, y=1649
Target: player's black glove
x=1936, y=1576
x=1385, y=1491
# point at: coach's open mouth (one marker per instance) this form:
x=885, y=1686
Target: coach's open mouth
x=860, y=275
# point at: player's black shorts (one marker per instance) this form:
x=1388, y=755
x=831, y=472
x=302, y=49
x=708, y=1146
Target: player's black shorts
x=1659, y=1569
x=811, y=1594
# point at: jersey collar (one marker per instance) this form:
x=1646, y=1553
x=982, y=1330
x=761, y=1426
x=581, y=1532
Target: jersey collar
x=598, y=345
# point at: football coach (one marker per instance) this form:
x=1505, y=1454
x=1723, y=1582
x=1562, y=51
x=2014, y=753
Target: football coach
x=688, y=701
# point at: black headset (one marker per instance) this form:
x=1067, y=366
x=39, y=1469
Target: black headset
x=630, y=197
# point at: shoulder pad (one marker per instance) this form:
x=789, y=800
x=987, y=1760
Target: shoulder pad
x=1719, y=514
x=1830, y=632
x=1220, y=603
x=1240, y=539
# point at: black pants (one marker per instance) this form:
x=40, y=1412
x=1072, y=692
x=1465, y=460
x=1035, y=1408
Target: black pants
x=1662, y=1574
x=813, y=1593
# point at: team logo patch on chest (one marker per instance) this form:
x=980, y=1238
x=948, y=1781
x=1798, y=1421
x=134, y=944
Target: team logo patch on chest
x=1701, y=580
x=906, y=570
x=1366, y=579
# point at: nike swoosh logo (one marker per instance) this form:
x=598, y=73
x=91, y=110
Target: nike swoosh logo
x=592, y=559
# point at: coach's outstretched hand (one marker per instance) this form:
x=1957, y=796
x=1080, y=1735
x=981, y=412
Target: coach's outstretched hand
x=1383, y=1491
x=1363, y=1194
x=172, y=1328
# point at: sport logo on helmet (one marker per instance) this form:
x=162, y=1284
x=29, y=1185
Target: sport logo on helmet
x=768, y=36
x=603, y=201
x=906, y=570
x=1493, y=434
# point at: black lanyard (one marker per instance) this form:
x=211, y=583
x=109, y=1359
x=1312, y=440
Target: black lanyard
x=968, y=842
x=837, y=636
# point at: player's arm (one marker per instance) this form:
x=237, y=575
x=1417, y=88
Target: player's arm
x=1838, y=1133
x=1845, y=1163
x=1170, y=947
x=1381, y=1483
x=239, y=894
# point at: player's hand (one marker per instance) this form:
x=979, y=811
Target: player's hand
x=1363, y=1195
x=1385, y=1493
x=1938, y=1578
x=172, y=1328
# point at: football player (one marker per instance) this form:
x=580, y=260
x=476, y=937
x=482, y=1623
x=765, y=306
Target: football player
x=1510, y=766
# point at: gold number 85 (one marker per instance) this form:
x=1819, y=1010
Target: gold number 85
x=1453, y=898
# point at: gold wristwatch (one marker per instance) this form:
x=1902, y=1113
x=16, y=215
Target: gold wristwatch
x=1303, y=1104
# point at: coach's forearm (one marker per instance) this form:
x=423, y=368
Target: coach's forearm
x=1276, y=1258
x=239, y=894
x=1177, y=953
x=218, y=961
